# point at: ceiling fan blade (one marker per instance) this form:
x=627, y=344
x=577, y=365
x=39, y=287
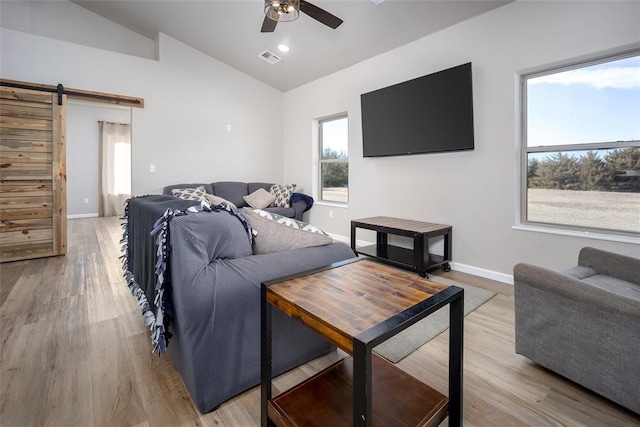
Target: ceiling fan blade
x=268, y=25
x=320, y=15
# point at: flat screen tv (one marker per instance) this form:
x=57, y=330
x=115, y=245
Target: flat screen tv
x=429, y=114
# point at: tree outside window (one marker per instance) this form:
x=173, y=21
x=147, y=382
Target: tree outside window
x=334, y=159
x=581, y=146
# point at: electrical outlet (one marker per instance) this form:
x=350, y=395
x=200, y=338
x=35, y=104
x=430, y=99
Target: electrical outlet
x=152, y=168
x=330, y=214
x=228, y=128
x=86, y=200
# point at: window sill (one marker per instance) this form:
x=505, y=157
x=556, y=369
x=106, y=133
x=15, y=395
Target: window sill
x=583, y=234
x=331, y=204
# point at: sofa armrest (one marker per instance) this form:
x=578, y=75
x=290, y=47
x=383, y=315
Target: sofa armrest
x=611, y=264
x=301, y=203
x=562, y=285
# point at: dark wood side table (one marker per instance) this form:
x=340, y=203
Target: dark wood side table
x=419, y=259
x=357, y=304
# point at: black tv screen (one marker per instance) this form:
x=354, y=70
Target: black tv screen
x=429, y=114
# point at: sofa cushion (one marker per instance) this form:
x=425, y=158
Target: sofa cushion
x=215, y=200
x=198, y=193
x=273, y=236
x=233, y=191
x=283, y=194
x=579, y=272
x=253, y=186
x=289, y=222
x=259, y=199
x=614, y=285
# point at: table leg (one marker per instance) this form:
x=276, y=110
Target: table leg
x=381, y=244
x=419, y=247
x=353, y=237
x=265, y=357
x=456, y=320
x=447, y=245
x=362, y=406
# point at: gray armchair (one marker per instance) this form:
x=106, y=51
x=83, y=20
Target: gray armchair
x=584, y=323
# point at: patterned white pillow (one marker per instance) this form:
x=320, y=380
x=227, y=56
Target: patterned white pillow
x=198, y=193
x=272, y=236
x=283, y=194
x=289, y=222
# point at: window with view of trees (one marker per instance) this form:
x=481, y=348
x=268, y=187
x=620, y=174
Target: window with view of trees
x=334, y=159
x=581, y=146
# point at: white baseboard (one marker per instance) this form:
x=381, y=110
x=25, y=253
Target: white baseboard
x=76, y=216
x=341, y=238
x=483, y=272
x=464, y=268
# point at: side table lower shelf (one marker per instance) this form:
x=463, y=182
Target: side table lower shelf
x=326, y=399
x=358, y=304
x=402, y=257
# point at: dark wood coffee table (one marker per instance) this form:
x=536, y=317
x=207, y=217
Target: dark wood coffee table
x=356, y=305
x=418, y=259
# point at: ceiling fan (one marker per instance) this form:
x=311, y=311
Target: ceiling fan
x=288, y=10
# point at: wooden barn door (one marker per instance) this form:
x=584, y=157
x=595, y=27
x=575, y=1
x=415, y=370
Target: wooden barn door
x=33, y=201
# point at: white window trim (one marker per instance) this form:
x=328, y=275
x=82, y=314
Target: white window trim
x=575, y=233
x=331, y=204
x=522, y=150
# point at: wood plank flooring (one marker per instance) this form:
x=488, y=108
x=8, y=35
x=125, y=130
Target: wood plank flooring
x=74, y=352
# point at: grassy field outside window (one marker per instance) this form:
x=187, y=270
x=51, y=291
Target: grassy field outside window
x=581, y=145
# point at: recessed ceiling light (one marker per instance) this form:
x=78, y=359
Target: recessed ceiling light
x=283, y=47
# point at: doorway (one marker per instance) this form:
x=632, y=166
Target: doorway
x=83, y=156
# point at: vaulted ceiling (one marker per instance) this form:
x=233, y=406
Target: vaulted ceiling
x=230, y=31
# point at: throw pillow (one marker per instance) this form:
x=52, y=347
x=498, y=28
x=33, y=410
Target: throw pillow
x=273, y=236
x=283, y=194
x=289, y=222
x=215, y=200
x=259, y=199
x=198, y=193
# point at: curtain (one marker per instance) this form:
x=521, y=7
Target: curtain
x=115, y=167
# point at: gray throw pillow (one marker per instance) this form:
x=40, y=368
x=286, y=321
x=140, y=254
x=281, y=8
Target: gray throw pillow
x=259, y=199
x=276, y=237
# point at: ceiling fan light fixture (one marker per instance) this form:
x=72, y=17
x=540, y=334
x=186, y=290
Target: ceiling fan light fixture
x=282, y=10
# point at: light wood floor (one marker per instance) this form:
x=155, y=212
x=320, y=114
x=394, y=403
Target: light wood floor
x=75, y=353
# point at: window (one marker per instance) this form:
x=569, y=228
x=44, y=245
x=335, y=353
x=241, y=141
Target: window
x=334, y=159
x=581, y=146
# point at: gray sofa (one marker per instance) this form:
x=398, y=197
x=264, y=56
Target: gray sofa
x=234, y=191
x=584, y=323
x=211, y=315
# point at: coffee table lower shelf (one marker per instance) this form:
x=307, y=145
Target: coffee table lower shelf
x=326, y=399
x=401, y=257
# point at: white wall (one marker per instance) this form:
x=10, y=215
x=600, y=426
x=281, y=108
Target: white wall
x=189, y=100
x=83, y=140
x=64, y=20
x=475, y=191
